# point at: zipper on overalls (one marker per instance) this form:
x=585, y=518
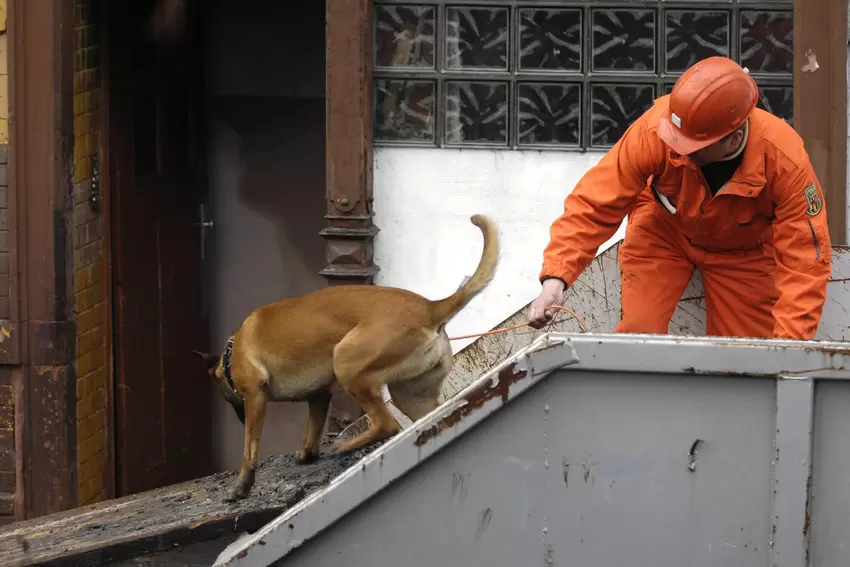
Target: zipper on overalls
x=815, y=240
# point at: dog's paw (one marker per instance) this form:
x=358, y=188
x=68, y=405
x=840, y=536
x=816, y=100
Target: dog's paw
x=237, y=492
x=340, y=447
x=303, y=457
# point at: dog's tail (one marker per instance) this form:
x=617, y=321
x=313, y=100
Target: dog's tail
x=445, y=309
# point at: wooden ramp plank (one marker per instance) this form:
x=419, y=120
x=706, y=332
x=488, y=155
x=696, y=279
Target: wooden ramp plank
x=162, y=519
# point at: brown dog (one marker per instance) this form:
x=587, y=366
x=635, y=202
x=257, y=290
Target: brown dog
x=362, y=337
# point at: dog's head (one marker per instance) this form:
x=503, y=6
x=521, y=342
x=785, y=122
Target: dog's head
x=215, y=370
x=211, y=361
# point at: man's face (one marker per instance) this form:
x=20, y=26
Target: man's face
x=718, y=150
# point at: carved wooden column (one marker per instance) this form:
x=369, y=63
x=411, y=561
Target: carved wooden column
x=348, y=161
x=348, y=142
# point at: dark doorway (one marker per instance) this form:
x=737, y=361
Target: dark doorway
x=157, y=173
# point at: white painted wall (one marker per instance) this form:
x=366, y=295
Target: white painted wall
x=423, y=201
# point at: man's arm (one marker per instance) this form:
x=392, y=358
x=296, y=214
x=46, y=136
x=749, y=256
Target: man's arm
x=601, y=200
x=803, y=254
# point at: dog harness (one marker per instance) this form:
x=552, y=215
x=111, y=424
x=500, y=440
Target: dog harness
x=225, y=363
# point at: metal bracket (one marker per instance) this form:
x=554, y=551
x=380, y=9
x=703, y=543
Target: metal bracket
x=94, y=195
x=204, y=224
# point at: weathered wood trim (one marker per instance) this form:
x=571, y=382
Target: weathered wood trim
x=109, y=483
x=348, y=142
x=820, y=100
x=41, y=203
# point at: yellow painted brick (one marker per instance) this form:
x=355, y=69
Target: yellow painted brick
x=93, y=144
x=88, y=298
x=85, y=388
x=84, y=407
x=97, y=422
x=98, y=357
x=82, y=366
x=96, y=272
x=91, y=467
x=4, y=96
x=97, y=488
x=84, y=493
x=86, y=448
x=89, y=341
x=81, y=280
x=81, y=125
x=80, y=145
x=86, y=169
x=4, y=50
x=89, y=425
x=87, y=320
x=98, y=378
x=89, y=405
x=99, y=441
x=2, y=16
x=79, y=104
x=4, y=131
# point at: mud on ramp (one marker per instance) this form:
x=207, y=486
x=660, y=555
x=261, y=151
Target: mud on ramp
x=166, y=518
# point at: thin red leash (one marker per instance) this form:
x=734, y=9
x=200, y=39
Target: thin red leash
x=521, y=325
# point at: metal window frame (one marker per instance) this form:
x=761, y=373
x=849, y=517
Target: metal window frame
x=796, y=366
x=439, y=74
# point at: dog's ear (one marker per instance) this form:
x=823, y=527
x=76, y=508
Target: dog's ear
x=211, y=360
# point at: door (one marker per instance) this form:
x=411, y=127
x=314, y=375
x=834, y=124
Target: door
x=163, y=409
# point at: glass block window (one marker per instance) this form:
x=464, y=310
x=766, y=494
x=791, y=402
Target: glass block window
x=555, y=73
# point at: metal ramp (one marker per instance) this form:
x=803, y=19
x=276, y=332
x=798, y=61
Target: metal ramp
x=600, y=450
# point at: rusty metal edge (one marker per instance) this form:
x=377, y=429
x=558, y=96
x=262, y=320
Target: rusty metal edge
x=749, y=358
x=475, y=403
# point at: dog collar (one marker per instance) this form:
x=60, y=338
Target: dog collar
x=225, y=363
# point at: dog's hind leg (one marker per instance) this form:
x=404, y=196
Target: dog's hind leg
x=255, y=413
x=319, y=404
x=419, y=396
x=382, y=425
x=371, y=356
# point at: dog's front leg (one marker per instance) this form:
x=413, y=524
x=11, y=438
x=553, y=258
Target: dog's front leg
x=255, y=413
x=319, y=405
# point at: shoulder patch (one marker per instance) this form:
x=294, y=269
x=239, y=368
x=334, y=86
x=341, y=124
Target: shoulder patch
x=815, y=203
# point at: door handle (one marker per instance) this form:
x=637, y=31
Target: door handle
x=204, y=224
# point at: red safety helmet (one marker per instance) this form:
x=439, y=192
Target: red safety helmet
x=710, y=100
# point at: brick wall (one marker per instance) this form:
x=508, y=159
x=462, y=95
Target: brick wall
x=89, y=264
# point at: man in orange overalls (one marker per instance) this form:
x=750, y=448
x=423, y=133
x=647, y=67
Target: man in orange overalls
x=709, y=181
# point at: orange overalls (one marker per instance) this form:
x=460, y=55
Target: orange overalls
x=761, y=243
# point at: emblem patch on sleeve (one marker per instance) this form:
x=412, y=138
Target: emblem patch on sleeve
x=815, y=203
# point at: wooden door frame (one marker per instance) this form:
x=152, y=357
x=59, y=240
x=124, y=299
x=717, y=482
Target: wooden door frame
x=109, y=480
x=41, y=124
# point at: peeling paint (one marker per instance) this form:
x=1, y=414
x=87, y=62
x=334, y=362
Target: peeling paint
x=474, y=400
x=811, y=63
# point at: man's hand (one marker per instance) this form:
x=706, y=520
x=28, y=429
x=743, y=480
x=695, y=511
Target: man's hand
x=551, y=294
